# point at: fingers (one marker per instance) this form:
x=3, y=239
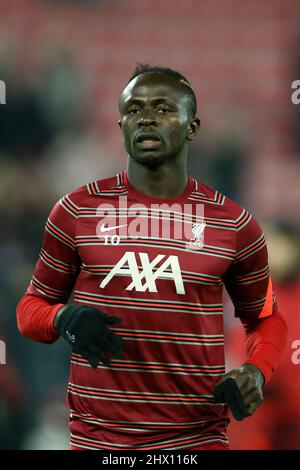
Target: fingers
x=112, y=320
x=102, y=317
x=98, y=344
x=252, y=407
x=249, y=384
x=241, y=390
x=235, y=402
x=100, y=348
x=107, y=338
x=104, y=358
x=240, y=377
x=252, y=399
x=252, y=394
x=110, y=343
x=94, y=355
x=228, y=391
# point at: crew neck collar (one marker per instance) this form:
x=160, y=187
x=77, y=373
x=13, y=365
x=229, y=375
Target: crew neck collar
x=144, y=197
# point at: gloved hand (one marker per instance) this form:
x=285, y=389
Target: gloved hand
x=85, y=329
x=241, y=389
x=228, y=392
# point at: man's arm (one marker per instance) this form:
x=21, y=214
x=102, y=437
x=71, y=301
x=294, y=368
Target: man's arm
x=36, y=319
x=53, y=278
x=42, y=314
x=249, y=285
x=265, y=343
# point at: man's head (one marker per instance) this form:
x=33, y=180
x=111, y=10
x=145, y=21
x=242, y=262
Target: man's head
x=157, y=109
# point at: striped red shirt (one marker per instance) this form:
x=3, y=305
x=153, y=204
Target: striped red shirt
x=168, y=291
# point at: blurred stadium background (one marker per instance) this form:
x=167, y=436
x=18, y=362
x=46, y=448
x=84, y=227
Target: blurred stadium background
x=65, y=64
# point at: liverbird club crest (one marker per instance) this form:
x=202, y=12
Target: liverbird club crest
x=197, y=241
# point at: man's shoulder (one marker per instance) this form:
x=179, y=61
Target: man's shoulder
x=217, y=198
x=218, y=203
x=83, y=195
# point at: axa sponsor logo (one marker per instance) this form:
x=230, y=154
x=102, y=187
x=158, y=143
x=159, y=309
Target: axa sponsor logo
x=145, y=278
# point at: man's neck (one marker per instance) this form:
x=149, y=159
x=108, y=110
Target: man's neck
x=164, y=181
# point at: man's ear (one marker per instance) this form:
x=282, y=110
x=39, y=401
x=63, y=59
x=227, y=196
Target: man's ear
x=193, y=128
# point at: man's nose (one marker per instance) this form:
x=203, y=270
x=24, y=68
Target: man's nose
x=146, y=118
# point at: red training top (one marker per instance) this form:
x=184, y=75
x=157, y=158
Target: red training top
x=167, y=288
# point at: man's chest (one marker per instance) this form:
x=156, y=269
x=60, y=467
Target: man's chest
x=142, y=248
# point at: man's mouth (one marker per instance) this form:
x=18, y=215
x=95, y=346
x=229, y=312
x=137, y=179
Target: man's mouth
x=148, y=140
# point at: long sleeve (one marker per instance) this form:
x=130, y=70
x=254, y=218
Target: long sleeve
x=265, y=342
x=35, y=319
x=54, y=275
x=248, y=280
x=249, y=285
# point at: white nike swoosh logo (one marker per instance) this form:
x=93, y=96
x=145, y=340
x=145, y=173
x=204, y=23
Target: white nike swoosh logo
x=107, y=229
x=71, y=337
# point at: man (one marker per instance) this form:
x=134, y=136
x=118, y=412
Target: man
x=160, y=292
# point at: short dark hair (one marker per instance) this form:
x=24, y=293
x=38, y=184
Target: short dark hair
x=145, y=68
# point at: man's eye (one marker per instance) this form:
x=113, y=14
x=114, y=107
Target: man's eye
x=133, y=110
x=163, y=110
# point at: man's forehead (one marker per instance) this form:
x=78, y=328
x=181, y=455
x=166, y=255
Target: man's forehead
x=152, y=83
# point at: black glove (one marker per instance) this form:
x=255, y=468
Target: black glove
x=84, y=328
x=229, y=392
